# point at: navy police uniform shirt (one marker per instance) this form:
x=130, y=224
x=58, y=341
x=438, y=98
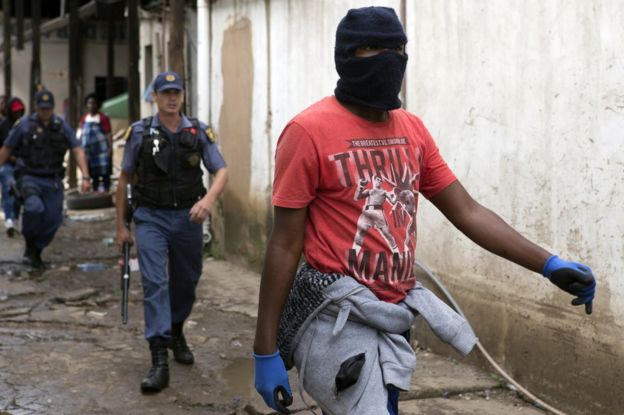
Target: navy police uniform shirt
x=211, y=156
x=22, y=128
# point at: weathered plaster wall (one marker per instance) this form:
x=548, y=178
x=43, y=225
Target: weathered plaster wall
x=238, y=112
x=526, y=102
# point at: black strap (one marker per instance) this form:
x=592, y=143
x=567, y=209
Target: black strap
x=194, y=123
x=147, y=125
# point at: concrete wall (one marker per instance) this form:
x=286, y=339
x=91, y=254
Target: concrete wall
x=526, y=100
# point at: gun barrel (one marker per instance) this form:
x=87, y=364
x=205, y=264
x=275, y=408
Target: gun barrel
x=129, y=205
x=125, y=283
x=125, y=272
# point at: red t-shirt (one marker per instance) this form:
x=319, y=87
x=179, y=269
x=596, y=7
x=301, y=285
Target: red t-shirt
x=360, y=181
x=104, y=122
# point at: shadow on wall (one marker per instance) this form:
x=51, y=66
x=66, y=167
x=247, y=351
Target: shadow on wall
x=245, y=234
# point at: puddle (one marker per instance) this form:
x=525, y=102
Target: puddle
x=91, y=267
x=108, y=241
x=238, y=377
x=90, y=217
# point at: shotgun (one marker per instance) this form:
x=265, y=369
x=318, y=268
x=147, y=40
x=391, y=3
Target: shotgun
x=125, y=269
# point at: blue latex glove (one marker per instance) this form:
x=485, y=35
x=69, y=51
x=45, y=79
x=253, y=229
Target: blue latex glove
x=271, y=381
x=572, y=277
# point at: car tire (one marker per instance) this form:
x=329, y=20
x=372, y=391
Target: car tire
x=76, y=201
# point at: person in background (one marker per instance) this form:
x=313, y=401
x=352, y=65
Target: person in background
x=40, y=141
x=94, y=132
x=14, y=111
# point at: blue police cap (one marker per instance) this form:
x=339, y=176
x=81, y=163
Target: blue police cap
x=168, y=80
x=44, y=99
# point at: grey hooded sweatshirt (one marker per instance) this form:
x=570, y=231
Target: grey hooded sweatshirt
x=352, y=332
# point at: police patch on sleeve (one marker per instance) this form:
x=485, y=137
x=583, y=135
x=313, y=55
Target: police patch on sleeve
x=210, y=134
x=127, y=133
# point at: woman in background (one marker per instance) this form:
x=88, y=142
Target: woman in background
x=94, y=131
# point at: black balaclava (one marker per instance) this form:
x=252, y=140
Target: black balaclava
x=374, y=81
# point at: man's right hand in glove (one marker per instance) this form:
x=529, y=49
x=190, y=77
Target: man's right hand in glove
x=572, y=277
x=271, y=381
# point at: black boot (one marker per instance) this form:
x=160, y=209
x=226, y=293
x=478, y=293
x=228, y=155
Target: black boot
x=37, y=261
x=32, y=257
x=158, y=377
x=27, y=258
x=181, y=352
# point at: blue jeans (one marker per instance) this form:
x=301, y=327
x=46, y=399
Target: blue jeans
x=43, y=209
x=9, y=205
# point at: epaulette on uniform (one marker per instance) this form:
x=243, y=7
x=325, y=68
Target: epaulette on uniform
x=127, y=133
x=136, y=126
x=210, y=134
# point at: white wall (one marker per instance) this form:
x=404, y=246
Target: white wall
x=526, y=102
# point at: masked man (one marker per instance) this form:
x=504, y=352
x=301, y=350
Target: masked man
x=359, y=294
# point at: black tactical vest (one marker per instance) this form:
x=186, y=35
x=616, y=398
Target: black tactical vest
x=169, y=172
x=43, y=148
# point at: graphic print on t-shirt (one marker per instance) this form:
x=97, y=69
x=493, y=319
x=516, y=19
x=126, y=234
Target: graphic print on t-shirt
x=385, y=180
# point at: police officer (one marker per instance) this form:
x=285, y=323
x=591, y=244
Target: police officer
x=14, y=111
x=163, y=157
x=40, y=141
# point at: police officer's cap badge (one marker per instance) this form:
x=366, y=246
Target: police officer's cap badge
x=45, y=97
x=170, y=78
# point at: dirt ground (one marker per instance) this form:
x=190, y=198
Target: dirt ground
x=63, y=349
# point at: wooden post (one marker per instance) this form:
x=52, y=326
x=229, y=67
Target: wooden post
x=35, y=62
x=176, y=38
x=6, y=21
x=75, y=78
x=19, y=15
x=110, y=51
x=134, y=91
